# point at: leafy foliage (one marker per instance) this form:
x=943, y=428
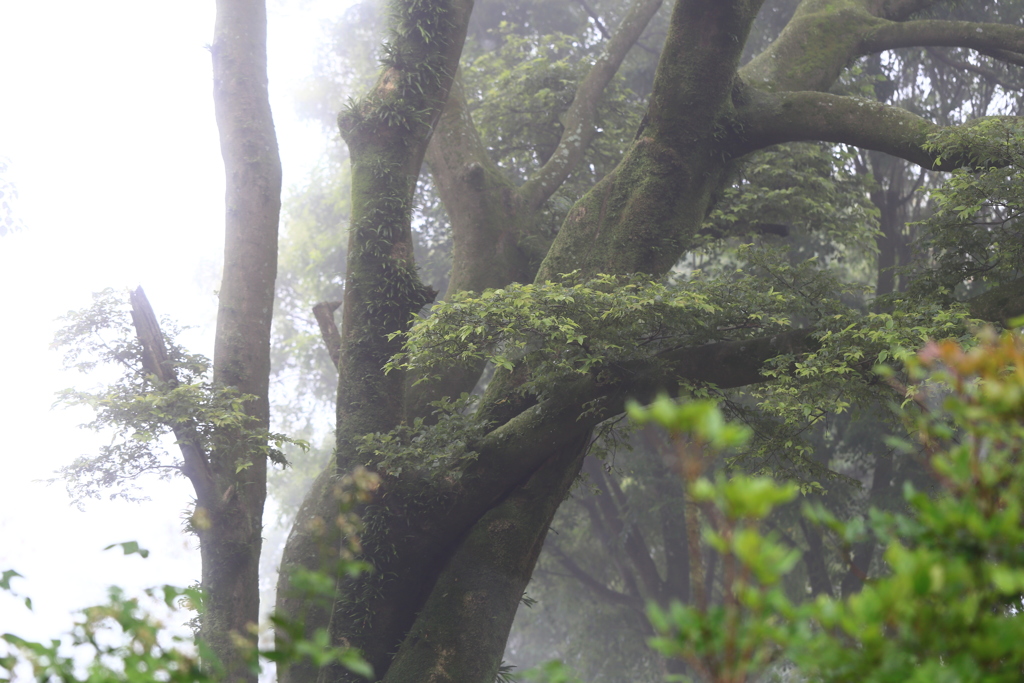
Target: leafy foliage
x=439, y=450
x=975, y=232
x=948, y=608
x=120, y=640
x=124, y=641
x=522, y=89
x=814, y=190
x=141, y=410
x=837, y=376
x=574, y=327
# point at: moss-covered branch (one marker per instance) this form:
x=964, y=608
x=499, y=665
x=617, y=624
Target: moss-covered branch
x=387, y=132
x=938, y=33
x=643, y=215
x=155, y=359
x=497, y=228
x=459, y=636
x=772, y=118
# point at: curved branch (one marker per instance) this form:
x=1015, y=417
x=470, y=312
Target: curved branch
x=471, y=606
x=196, y=464
x=596, y=17
x=578, y=406
x=989, y=75
x=773, y=118
x=324, y=314
x=598, y=588
x=1007, y=56
x=983, y=37
x=628, y=535
x=580, y=119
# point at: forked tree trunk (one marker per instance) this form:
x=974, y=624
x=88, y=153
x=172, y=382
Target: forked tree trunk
x=451, y=557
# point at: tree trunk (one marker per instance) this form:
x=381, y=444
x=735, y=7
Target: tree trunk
x=230, y=510
x=451, y=556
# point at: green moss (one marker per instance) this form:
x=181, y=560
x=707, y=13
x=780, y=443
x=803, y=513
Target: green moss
x=813, y=49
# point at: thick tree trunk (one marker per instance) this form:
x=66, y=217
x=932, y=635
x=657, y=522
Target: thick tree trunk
x=459, y=635
x=230, y=510
x=445, y=583
x=387, y=134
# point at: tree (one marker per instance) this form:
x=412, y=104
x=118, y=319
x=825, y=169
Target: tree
x=218, y=413
x=453, y=550
x=575, y=321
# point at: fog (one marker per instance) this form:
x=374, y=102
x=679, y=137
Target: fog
x=107, y=126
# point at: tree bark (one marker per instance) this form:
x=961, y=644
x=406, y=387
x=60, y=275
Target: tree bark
x=231, y=535
x=496, y=232
x=387, y=133
x=441, y=548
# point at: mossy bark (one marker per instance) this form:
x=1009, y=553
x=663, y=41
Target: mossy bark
x=451, y=556
x=459, y=636
x=387, y=133
x=496, y=226
x=643, y=216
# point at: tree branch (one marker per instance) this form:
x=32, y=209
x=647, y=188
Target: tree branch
x=155, y=360
x=147, y=329
x=578, y=406
x=464, y=624
x=598, y=588
x=1007, y=56
x=940, y=33
x=609, y=538
x=629, y=536
x=988, y=74
x=324, y=314
x=579, y=120
x=773, y=118
x=596, y=17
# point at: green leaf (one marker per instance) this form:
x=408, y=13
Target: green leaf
x=130, y=548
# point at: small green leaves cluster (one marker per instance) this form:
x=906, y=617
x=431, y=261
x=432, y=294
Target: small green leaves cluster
x=123, y=641
x=119, y=641
x=838, y=375
x=975, y=232
x=144, y=413
x=413, y=58
x=437, y=452
x=521, y=91
x=722, y=642
x=813, y=189
x=701, y=420
x=420, y=21
x=573, y=327
x=948, y=608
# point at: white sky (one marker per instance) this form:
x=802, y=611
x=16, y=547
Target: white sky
x=107, y=118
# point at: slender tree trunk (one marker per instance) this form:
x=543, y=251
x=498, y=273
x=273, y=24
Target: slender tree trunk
x=230, y=522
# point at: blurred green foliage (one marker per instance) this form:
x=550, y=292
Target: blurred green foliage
x=948, y=607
